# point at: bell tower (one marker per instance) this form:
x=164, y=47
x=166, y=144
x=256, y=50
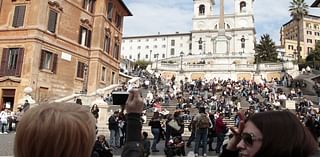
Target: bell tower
x=243, y=7
x=202, y=8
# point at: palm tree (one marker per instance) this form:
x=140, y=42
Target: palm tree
x=298, y=8
x=266, y=50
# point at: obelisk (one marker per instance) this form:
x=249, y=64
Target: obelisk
x=221, y=42
x=221, y=20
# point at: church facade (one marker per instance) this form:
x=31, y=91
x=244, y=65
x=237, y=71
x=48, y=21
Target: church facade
x=224, y=37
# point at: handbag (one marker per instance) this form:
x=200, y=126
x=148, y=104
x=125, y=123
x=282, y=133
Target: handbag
x=174, y=124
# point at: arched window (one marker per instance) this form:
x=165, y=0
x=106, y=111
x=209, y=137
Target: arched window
x=243, y=6
x=201, y=9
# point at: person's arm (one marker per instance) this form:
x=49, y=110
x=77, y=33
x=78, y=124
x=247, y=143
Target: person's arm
x=134, y=107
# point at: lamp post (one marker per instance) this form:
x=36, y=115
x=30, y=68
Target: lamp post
x=181, y=56
x=150, y=58
x=282, y=60
x=156, y=62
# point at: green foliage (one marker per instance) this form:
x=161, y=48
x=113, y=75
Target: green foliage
x=298, y=8
x=142, y=64
x=266, y=50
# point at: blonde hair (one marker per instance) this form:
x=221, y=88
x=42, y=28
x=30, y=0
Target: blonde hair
x=55, y=130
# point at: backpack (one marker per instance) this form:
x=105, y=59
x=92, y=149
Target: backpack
x=203, y=122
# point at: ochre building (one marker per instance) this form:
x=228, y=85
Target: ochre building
x=58, y=47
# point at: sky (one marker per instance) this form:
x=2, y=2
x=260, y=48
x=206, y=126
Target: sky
x=170, y=16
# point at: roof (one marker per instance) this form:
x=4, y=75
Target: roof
x=315, y=3
x=158, y=35
x=306, y=16
x=125, y=7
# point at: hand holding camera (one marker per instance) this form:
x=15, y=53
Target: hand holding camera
x=134, y=103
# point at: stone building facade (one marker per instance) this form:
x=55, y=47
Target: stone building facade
x=309, y=35
x=58, y=47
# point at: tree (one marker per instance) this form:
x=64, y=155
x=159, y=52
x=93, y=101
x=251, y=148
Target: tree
x=142, y=64
x=314, y=56
x=298, y=8
x=266, y=50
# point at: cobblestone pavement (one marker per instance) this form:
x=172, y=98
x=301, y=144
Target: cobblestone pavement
x=6, y=144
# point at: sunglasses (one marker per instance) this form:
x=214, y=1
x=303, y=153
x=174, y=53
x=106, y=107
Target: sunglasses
x=249, y=138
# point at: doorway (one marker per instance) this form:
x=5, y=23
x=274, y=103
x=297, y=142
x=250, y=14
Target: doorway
x=8, y=98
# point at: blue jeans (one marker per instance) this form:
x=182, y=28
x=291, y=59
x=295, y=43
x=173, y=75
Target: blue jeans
x=156, y=133
x=220, y=139
x=201, y=137
x=114, y=137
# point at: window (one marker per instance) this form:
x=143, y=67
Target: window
x=163, y=56
x=88, y=5
x=118, y=21
x=110, y=10
x=243, y=7
x=138, y=56
x=309, y=50
x=103, y=73
x=243, y=44
x=163, y=46
x=147, y=47
x=80, y=69
x=155, y=55
x=200, y=46
x=52, y=22
x=172, y=42
x=155, y=46
x=139, y=40
x=106, y=46
x=116, y=51
x=11, y=62
x=155, y=39
x=181, y=45
x=48, y=61
x=139, y=47
x=113, y=77
x=147, y=56
x=172, y=52
x=147, y=39
x=163, y=39
x=201, y=9
x=18, y=17
x=85, y=37
x=309, y=32
x=309, y=40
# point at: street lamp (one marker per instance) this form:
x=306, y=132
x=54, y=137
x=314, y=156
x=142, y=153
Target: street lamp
x=181, y=55
x=150, y=58
x=282, y=60
x=156, y=62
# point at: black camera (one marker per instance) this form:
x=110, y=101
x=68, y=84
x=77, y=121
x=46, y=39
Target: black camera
x=119, y=98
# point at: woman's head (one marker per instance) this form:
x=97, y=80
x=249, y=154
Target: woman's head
x=276, y=134
x=51, y=130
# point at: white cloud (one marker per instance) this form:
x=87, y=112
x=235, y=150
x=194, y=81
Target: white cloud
x=169, y=16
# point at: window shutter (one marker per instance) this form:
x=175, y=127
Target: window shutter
x=110, y=7
x=54, y=63
x=52, y=21
x=43, y=55
x=80, y=34
x=18, y=17
x=92, y=5
x=4, y=62
x=19, y=62
x=88, y=41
